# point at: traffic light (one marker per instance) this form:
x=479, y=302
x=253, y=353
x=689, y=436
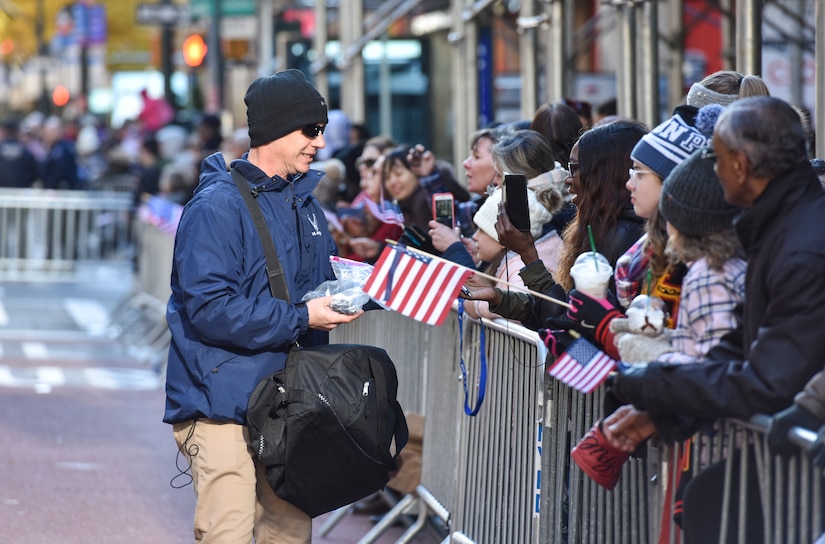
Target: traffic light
x=7, y=47
x=194, y=50
x=60, y=96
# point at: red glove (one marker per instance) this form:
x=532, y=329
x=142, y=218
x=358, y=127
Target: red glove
x=596, y=315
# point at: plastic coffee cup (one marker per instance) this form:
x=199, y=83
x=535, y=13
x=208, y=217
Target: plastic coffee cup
x=591, y=273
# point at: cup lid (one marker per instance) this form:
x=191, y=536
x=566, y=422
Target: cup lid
x=588, y=258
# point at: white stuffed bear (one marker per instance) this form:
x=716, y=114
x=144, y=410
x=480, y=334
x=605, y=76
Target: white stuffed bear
x=642, y=336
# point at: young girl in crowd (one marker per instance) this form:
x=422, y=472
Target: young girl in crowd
x=504, y=264
x=654, y=157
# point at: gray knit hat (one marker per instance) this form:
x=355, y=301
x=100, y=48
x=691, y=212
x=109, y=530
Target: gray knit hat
x=667, y=145
x=693, y=200
x=282, y=103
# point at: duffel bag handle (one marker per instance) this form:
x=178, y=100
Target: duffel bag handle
x=400, y=431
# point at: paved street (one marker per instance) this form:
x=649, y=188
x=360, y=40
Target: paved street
x=84, y=455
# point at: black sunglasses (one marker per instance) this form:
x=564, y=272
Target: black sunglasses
x=313, y=131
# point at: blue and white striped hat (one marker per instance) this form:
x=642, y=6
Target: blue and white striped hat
x=667, y=145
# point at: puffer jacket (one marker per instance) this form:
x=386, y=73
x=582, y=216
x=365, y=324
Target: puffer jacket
x=779, y=345
x=228, y=332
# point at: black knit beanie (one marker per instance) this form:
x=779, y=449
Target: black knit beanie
x=693, y=200
x=282, y=103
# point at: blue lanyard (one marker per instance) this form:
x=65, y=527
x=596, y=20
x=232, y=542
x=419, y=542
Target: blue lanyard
x=482, y=378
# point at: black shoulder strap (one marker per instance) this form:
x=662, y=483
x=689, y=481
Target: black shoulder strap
x=274, y=270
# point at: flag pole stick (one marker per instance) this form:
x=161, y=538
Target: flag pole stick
x=486, y=276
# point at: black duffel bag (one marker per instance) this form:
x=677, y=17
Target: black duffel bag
x=323, y=426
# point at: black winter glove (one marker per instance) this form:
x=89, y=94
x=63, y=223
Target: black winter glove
x=593, y=314
x=781, y=424
x=557, y=337
x=626, y=386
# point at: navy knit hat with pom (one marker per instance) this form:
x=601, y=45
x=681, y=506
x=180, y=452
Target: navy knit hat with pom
x=693, y=201
x=667, y=145
x=282, y=103
x=706, y=119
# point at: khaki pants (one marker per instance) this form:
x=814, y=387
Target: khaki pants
x=234, y=500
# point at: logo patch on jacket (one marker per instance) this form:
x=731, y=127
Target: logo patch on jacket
x=314, y=222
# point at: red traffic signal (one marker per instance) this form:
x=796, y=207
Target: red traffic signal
x=194, y=50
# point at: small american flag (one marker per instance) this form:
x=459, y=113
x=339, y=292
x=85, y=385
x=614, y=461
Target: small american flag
x=416, y=285
x=385, y=211
x=162, y=213
x=583, y=366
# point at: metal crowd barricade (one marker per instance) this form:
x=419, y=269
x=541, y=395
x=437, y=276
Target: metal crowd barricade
x=498, y=464
x=426, y=362
x=480, y=475
x=47, y=234
x=791, y=490
x=506, y=475
x=140, y=322
x=576, y=510
x=154, y=259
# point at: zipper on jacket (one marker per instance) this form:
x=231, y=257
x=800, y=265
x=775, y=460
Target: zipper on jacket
x=301, y=243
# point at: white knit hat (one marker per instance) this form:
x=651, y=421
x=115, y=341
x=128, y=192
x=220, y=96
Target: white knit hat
x=485, y=217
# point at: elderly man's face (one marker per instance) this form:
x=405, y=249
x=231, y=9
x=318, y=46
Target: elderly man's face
x=731, y=167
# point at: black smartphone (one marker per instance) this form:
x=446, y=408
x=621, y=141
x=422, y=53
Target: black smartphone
x=515, y=201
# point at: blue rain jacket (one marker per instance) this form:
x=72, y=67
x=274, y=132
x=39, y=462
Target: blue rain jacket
x=228, y=331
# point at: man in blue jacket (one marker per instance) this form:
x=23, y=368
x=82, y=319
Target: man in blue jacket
x=228, y=331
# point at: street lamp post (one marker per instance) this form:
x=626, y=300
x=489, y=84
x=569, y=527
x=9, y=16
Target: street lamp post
x=167, y=33
x=42, y=49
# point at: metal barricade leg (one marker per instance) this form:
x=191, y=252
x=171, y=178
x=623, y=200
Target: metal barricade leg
x=388, y=519
x=337, y=516
x=427, y=504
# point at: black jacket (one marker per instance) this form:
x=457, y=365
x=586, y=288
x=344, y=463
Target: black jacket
x=628, y=230
x=780, y=343
x=18, y=167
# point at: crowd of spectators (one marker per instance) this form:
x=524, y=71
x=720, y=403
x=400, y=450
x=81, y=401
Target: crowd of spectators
x=714, y=211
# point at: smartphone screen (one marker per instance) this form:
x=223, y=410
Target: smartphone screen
x=443, y=209
x=515, y=201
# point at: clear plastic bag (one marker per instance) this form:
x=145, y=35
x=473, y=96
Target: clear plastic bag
x=346, y=288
